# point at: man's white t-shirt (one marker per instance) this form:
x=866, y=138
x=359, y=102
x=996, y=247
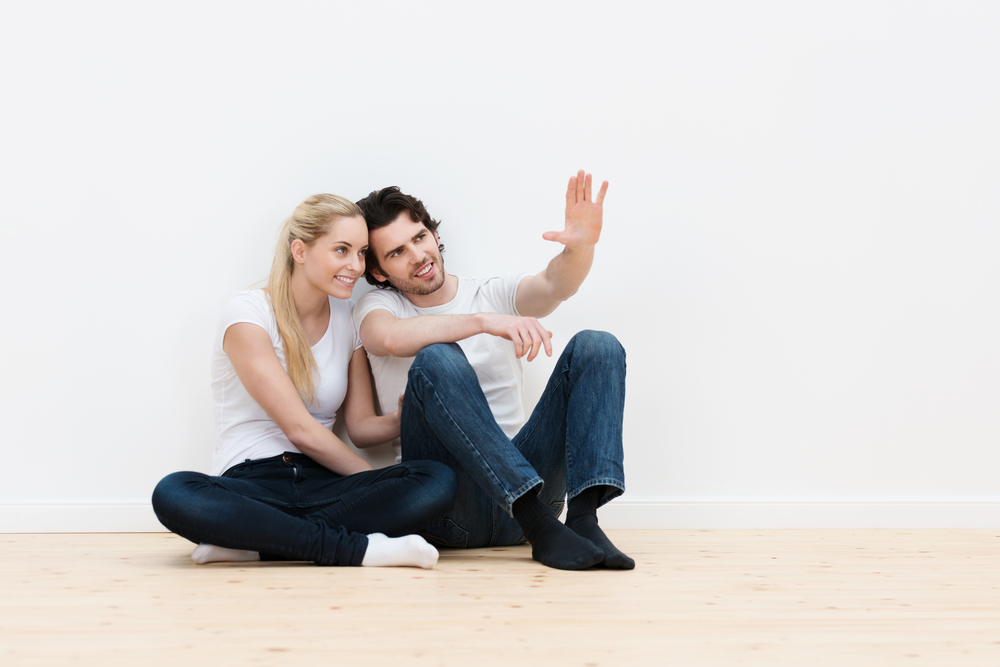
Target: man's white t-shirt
x=494, y=359
x=245, y=431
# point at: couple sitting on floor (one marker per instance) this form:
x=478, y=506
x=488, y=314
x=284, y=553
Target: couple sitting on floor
x=445, y=354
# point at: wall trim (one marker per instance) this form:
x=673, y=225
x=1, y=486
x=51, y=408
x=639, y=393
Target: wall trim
x=135, y=515
x=78, y=515
x=826, y=514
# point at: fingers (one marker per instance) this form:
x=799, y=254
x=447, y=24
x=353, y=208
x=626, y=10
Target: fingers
x=526, y=333
x=540, y=338
x=553, y=236
x=529, y=337
x=603, y=191
x=535, y=345
x=546, y=341
x=580, y=189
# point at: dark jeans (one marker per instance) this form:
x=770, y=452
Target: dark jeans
x=291, y=507
x=572, y=441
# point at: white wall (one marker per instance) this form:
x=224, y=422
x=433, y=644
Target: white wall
x=800, y=252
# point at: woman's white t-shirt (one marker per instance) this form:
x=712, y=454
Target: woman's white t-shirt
x=245, y=431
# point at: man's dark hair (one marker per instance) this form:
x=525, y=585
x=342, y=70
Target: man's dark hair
x=382, y=207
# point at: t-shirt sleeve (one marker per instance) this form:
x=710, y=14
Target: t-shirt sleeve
x=348, y=317
x=377, y=299
x=248, y=306
x=501, y=292
x=357, y=332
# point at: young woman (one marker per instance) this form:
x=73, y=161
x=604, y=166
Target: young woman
x=286, y=361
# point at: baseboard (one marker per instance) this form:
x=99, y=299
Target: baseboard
x=135, y=515
x=69, y=515
x=651, y=513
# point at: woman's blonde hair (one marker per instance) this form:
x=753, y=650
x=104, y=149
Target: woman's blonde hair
x=310, y=220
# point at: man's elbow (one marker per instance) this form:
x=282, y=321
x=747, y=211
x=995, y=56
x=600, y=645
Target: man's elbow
x=393, y=348
x=564, y=293
x=384, y=346
x=376, y=345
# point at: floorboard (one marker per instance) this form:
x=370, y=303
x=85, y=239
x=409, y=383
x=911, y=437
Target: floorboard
x=719, y=597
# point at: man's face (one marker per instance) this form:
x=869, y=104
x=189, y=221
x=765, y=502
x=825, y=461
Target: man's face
x=408, y=255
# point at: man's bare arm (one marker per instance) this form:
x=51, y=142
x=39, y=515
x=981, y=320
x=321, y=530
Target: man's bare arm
x=386, y=335
x=539, y=295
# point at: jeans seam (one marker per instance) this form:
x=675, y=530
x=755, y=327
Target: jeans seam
x=548, y=399
x=524, y=488
x=599, y=481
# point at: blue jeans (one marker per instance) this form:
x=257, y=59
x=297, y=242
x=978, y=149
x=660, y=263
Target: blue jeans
x=573, y=439
x=290, y=507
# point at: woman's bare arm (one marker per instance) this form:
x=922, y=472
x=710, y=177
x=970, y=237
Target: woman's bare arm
x=249, y=348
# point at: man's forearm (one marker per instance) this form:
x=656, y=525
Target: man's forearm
x=393, y=337
x=567, y=271
x=541, y=294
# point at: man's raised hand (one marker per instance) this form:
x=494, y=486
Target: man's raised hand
x=583, y=216
x=527, y=333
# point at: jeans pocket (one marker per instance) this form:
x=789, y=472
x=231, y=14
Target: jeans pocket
x=446, y=533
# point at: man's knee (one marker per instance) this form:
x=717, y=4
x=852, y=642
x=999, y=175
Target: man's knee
x=597, y=344
x=446, y=359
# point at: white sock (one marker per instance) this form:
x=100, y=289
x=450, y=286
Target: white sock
x=209, y=553
x=406, y=551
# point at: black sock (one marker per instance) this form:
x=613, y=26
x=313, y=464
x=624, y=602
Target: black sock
x=582, y=519
x=552, y=543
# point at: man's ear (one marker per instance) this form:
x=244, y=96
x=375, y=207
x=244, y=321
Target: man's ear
x=298, y=249
x=379, y=276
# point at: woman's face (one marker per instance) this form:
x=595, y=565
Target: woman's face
x=337, y=259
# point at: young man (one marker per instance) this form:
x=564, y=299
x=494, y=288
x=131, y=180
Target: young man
x=455, y=345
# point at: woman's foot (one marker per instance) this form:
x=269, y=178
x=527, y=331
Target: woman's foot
x=406, y=551
x=209, y=553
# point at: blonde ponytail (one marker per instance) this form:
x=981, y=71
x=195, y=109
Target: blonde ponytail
x=310, y=220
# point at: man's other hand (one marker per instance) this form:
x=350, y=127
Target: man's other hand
x=527, y=333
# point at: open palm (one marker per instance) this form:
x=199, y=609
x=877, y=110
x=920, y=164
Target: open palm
x=583, y=216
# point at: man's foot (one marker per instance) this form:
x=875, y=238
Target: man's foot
x=613, y=557
x=209, y=553
x=406, y=551
x=552, y=543
x=582, y=520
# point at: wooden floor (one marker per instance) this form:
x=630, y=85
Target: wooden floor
x=792, y=597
